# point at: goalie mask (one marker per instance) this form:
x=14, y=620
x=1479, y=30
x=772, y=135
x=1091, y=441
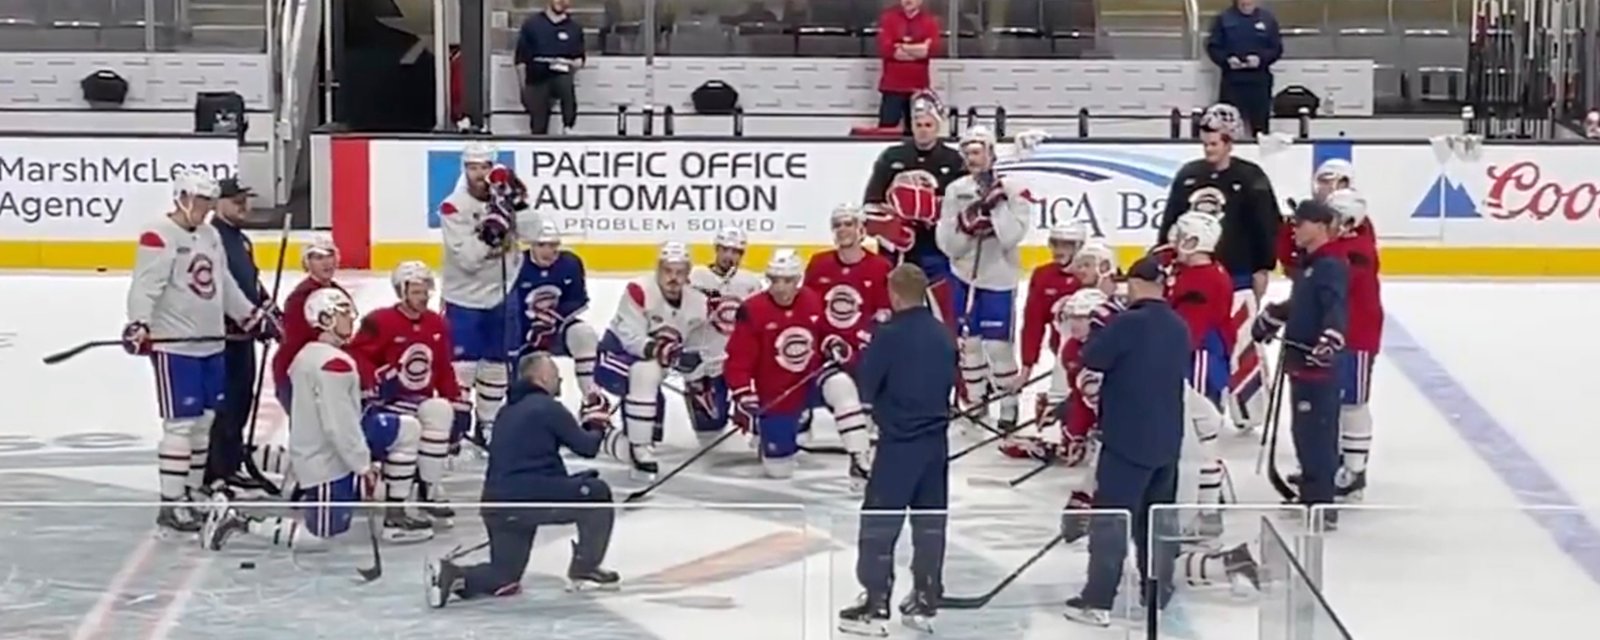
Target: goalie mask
x=1208, y=200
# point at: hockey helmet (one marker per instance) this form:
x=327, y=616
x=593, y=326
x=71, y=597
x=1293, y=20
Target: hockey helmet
x=1083, y=302
x=785, y=263
x=408, y=272
x=549, y=233
x=1196, y=232
x=479, y=153
x=1351, y=205
x=978, y=134
x=847, y=211
x=1099, y=256
x=1068, y=230
x=194, y=183
x=1334, y=169
x=1208, y=200
x=673, y=253
x=730, y=238
x=1222, y=118
x=326, y=303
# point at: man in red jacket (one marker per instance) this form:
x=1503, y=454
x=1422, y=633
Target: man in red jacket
x=908, y=38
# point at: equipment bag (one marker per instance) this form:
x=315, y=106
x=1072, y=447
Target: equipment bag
x=104, y=89
x=220, y=112
x=1288, y=102
x=715, y=97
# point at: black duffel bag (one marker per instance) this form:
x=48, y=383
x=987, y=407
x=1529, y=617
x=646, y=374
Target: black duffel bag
x=715, y=97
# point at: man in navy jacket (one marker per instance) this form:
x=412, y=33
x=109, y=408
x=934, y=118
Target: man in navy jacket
x=1143, y=354
x=227, y=451
x=525, y=466
x=1244, y=44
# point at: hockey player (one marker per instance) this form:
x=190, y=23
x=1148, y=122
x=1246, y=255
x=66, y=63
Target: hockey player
x=406, y=346
x=783, y=361
x=1332, y=175
x=479, y=223
x=550, y=295
x=981, y=226
x=332, y=446
x=726, y=286
x=852, y=282
x=181, y=289
x=320, y=259
x=525, y=466
x=1357, y=243
x=661, y=325
x=1049, y=287
x=1202, y=293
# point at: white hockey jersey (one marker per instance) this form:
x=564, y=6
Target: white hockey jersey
x=645, y=313
x=472, y=277
x=181, y=287
x=998, y=265
x=724, y=294
x=327, y=442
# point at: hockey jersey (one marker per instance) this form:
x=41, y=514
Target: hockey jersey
x=327, y=442
x=409, y=357
x=1048, y=290
x=1082, y=413
x=773, y=350
x=473, y=275
x=181, y=287
x=854, y=295
x=1203, y=296
x=1250, y=218
x=541, y=293
x=992, y=262
x=297, y=331
x=644, y=313
x=723, y=295
x=1365, y=294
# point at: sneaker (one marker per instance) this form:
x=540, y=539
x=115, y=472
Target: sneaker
x=868, y=617
x=917, y=611
x=440, y=578
x=1078, y=610
x=596, y=579
x=402, y=527
x=222, y=521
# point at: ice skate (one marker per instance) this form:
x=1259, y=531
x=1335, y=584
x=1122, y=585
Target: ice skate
x=441, y=577
x=644, y=461
x=917, y=611
x=401, y=527
x=1078, y=610
x=177, y=517
x=868, y=617
x=435, y=507
x=222, y=522
x=244, y=487
x=1350, y=486
x=596, y=579
x=1242, y=568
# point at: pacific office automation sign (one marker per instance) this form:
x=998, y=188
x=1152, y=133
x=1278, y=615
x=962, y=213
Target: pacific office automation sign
x=97, y=188
x=647, y=191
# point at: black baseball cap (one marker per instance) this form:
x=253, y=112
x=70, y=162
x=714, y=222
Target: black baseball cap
x=1313, y=211
x=1147, y=269
x=230, y=188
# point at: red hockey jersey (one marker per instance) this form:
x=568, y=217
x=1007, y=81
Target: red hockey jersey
x=297, y=331
x=1203, y=296
x=773, y=349
x=1288, y=254
x=855, y=296
x=409, y=357
x=1083, y=400
x=1048, y=287
x=1365, y=299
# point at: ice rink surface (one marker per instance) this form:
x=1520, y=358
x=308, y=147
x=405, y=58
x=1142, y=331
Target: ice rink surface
x=1481, y=407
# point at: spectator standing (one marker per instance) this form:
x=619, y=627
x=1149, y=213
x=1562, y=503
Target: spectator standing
x=549, y=50
x=908, y=38
x=1244, y=44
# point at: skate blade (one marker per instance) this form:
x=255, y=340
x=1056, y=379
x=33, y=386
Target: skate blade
x=920, y=624
x=641, y=476
x=872, y=629
x=588, y=586
x=1091, y=618
x=402, y=536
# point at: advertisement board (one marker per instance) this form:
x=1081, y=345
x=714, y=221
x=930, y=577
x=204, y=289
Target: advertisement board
x=97, y=188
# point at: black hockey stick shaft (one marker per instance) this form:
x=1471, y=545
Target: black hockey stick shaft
x=375, y=571
x=1043, y=464
x=1274, y=425
x=990, y=440
x=978, y=601
x=68, y=354
x=261, y=368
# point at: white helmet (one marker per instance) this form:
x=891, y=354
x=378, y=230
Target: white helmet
x=191, y=182
x=1068, y=230
x=1100, y=255
x=408, y=272
x=978, y=134
x=1208, y=200
x=1350, y=204
x=549, y=233
x=672, y=253
x=324, y=304
x=1083, y=302
x=479, y=153
x=1222, y=118
x=1334, y=169
x=785, y=263
x=1196, y=232
x=730, y=238
x=847, y=211
x=320, y=244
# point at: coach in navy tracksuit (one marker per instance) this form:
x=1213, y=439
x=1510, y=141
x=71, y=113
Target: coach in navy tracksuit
x=906, y=375
x=525, y=466
x=226, y=455
x=1313, y=321
x=1143, y=353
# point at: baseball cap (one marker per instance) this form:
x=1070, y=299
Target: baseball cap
x=230, y=188
x=1313, y=211
x=1147, y=269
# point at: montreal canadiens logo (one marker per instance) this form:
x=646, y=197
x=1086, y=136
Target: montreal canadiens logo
x=795, y=346
x=202, y=276
x=416, y=367
x=844, y=306
x=543, y=298
x=667, y=333
x=724, y=311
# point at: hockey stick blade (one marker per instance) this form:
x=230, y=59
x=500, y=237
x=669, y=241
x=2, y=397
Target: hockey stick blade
x=827, y=449
x=369, y=574
x=979, y=601
x=68, y=354
x=645, y=492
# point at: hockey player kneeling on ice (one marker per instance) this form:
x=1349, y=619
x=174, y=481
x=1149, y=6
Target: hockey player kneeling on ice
x=782, y=362
x=525, y=466
x=907, y=376
x=660, y=326
x=550, y=294
x=725, y=286
x=332, y=447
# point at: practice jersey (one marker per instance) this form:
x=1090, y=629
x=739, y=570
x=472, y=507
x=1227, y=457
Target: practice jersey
x=1083, y=386
x=473, y=277
x=1043, y=313
x=1203, y=296
x=993, y=262
x=774, y=349
x=1360, y=251
x=1250, y=217
x=855, y=296
x=409, y=357
x=644, y=314
x=723, y=295
x=327, y=442
x=181, y=287
x=297, y=331
x=543, y=292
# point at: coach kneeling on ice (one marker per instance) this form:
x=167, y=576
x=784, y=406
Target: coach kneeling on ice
x=525, y=466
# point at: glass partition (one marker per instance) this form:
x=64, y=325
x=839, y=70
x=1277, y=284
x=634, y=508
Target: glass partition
x=1217, y=560
x=95, y=570
x=1292, y=608
x=134, y=25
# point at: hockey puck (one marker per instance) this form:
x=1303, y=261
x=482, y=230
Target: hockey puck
x=247, y=565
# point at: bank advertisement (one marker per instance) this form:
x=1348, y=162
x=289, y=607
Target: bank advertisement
x=84, y=188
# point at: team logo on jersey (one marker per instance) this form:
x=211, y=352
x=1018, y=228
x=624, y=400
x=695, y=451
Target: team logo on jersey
x=202, y=276
x=416, y=367
x=843, y=304
x=724, y=309
x=795, y=346
x=542, y=298
x=666, y=332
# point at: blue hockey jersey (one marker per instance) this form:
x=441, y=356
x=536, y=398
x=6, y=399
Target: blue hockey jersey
x=546, y=298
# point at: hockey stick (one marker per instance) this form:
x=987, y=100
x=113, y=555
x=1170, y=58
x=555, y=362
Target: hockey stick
x=261, y=371
x=984, y=481
x=991, y=440
x=978, y=601
x=67, y=354
x=368, y=574
x=1274, y=425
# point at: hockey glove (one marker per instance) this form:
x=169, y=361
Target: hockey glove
x=507, y=189
x=974, y=221
x=746, y=410
x=595, y=413
x=1328, y=346
x=836, y=350
x=914, y=197
x=688, y=362
x=703, y=395
x=993, y=193
x=1268, y=322
x=1074, y=449
x=892, y=232
x=136, y=339
x=495, y=228
x=665, y=350
x=265, y=323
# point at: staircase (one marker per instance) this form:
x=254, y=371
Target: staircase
x=225, y=25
